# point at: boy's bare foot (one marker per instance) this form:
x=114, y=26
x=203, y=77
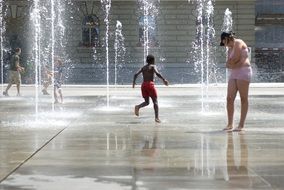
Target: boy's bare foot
x=136, y=110
x=44, y=92
x=5, y=93
x=157, y=120
x=228, y=128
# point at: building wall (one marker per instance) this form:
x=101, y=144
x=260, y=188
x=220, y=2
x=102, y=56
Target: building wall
x=270, y=40
x=176, y=24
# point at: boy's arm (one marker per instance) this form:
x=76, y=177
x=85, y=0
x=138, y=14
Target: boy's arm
x=135, y=77
x=160, y=76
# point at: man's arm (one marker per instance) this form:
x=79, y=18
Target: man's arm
x=135, y=77
x=160, y=76
x=61, y=75
x=19, y=68
x=234, y=62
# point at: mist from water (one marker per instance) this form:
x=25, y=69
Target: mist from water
x=2, y=29
x=119, y=49
x=47, y=43
x=202, y=48
x=227, y=21
x=149, y=10
x=227, y=27
x=106, y=5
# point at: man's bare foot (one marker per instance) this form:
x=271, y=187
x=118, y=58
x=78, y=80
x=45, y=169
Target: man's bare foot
x=228, y=128
x=136, y=110
x=157, y=120
x=239, y=128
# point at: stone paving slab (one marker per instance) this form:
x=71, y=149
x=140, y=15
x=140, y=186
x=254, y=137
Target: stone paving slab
x=82, y=144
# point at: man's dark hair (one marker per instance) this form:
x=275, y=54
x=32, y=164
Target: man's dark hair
x=150, y=59
x=229, y=35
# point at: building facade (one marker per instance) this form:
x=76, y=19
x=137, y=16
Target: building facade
x=269, y=36
x=82, y=31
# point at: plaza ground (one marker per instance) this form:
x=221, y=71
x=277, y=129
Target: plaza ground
x=83, y=144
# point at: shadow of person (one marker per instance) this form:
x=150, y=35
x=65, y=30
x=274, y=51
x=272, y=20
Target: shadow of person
x=238, y=175
x=150, y=148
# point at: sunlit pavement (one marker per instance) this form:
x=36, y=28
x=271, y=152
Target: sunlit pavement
x=84, y=144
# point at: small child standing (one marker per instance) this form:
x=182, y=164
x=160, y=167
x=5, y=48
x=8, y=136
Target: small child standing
x=58, y=77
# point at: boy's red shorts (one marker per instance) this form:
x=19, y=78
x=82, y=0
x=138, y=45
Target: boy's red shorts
x=148, y=90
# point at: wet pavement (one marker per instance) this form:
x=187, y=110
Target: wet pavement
x=82, y=144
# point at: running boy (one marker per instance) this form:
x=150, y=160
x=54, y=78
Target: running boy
x=148, y=88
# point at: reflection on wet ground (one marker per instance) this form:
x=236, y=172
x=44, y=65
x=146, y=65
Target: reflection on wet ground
x=81, y=144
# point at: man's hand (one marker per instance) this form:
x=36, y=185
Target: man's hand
x=133, y=85
x=166, y=82
x=21, y=69
x=228, y=65
x=49, y=72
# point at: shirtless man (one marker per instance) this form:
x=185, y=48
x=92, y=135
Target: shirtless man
x=240, y=76
x=15, y=72
x=148, y=87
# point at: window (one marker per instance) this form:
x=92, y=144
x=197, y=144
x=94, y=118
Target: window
x=90, y=31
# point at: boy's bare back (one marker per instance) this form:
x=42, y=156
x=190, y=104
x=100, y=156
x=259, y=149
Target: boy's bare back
x=148, y=72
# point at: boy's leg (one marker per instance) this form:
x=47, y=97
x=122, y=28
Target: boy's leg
x=137, y=107
x=45, y=85
x=60, y=94
x=156, y=108
x=55, y=95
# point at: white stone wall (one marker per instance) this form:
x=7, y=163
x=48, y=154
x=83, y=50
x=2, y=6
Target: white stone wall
x=176, y=32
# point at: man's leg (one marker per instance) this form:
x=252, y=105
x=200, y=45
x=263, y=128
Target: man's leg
x=5, y=93
x=18, y=82
x=18, y=89
x=243, y=87
x=231, y=95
